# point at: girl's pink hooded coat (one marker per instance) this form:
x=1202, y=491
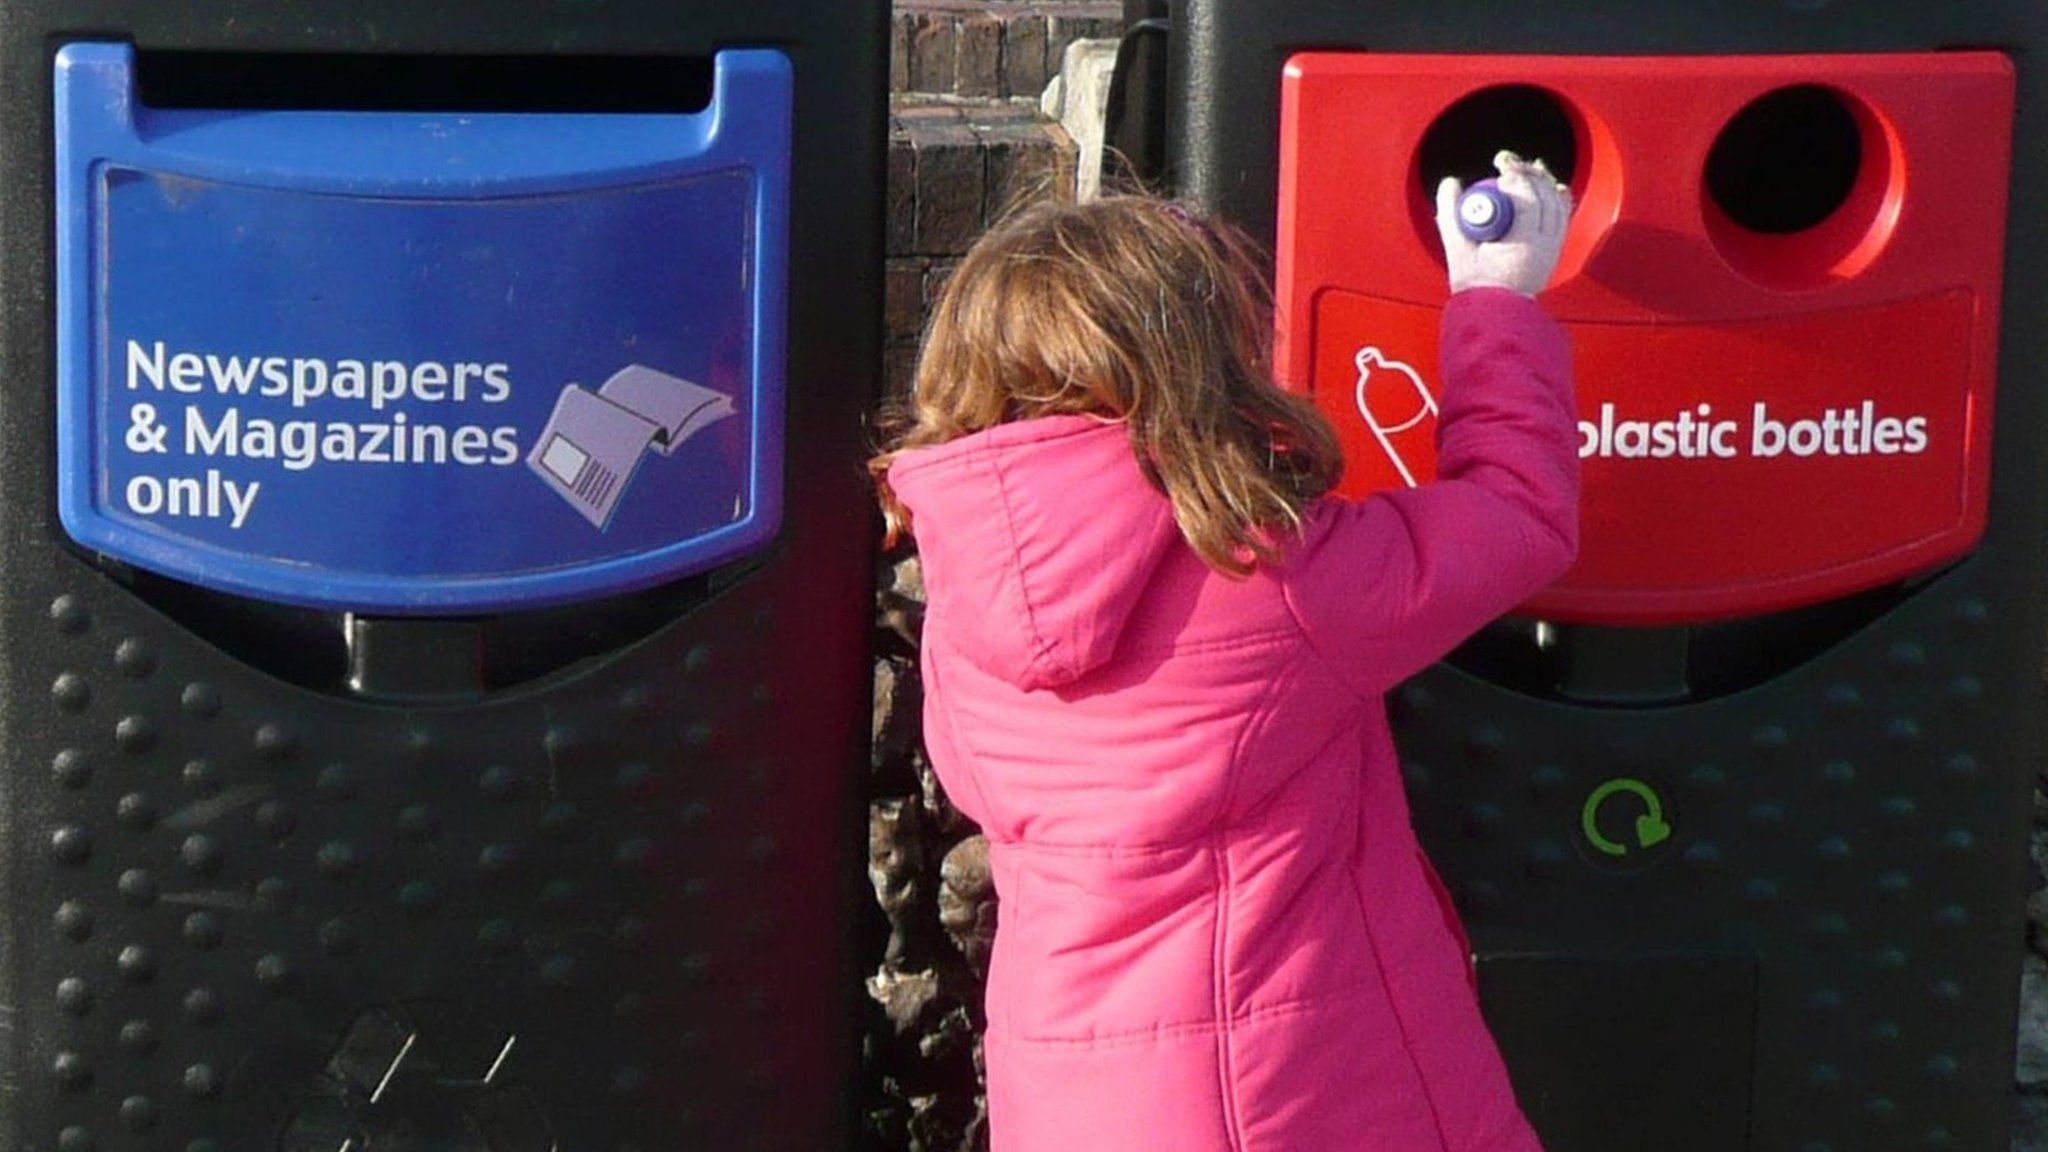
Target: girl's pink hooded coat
x=1217, y=932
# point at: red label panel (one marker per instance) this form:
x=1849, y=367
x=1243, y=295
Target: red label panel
x=1729, y=469
x=1768, y=419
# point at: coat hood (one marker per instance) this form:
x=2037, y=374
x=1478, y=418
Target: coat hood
x=1037, y=539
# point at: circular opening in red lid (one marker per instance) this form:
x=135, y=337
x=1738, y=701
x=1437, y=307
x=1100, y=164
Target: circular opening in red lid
x=1786, y=162
x=1521, y=118
x=1534, y=123
x=1799, y=189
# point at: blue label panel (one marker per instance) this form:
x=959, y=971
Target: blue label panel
x=410, y=363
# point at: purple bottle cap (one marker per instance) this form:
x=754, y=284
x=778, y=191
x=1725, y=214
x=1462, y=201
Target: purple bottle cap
x=1485, y=213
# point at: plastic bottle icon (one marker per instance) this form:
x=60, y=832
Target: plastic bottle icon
x=1484, y=212
x=1399, y=410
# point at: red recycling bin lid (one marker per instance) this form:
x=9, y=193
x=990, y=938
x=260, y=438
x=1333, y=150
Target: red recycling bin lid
x=1768, y=418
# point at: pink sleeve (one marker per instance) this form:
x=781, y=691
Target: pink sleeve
x=1386, y=586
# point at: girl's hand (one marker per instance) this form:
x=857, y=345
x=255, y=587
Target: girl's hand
x=1522, y=260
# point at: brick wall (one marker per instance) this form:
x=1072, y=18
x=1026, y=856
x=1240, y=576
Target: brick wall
x=966, y=136
x=998, y=49
x=953, y=166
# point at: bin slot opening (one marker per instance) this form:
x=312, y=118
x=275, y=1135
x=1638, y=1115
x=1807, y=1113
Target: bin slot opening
x=1521, y=118
x=412, y=83
x=1641, y=666
x=1786, y=162
x=446, y=657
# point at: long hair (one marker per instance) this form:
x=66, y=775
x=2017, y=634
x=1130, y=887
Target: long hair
x=1133, y=310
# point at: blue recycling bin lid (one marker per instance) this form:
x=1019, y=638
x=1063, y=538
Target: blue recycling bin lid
x=421, y=363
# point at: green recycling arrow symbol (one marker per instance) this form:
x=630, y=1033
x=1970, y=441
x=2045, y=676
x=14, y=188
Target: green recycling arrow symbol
x=1651, y=830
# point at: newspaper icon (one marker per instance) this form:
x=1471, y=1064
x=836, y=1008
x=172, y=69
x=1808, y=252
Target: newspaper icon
x=594, y=441
x=677, y=407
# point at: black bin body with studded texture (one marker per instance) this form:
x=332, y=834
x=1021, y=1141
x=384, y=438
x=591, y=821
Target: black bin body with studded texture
x=368, y=868
x=1753, y=880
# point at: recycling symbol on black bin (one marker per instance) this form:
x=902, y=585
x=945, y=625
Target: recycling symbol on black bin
x=419, y=1079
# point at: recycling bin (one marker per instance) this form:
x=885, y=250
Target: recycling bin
x=433, y=663
x=1736, y=811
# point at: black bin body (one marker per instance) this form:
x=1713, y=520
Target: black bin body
x=1753, y=880
x=381, y=862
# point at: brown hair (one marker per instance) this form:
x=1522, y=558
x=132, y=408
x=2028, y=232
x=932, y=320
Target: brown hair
x=1132, y=309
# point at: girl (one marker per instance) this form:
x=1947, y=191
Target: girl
x=1154, y=657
